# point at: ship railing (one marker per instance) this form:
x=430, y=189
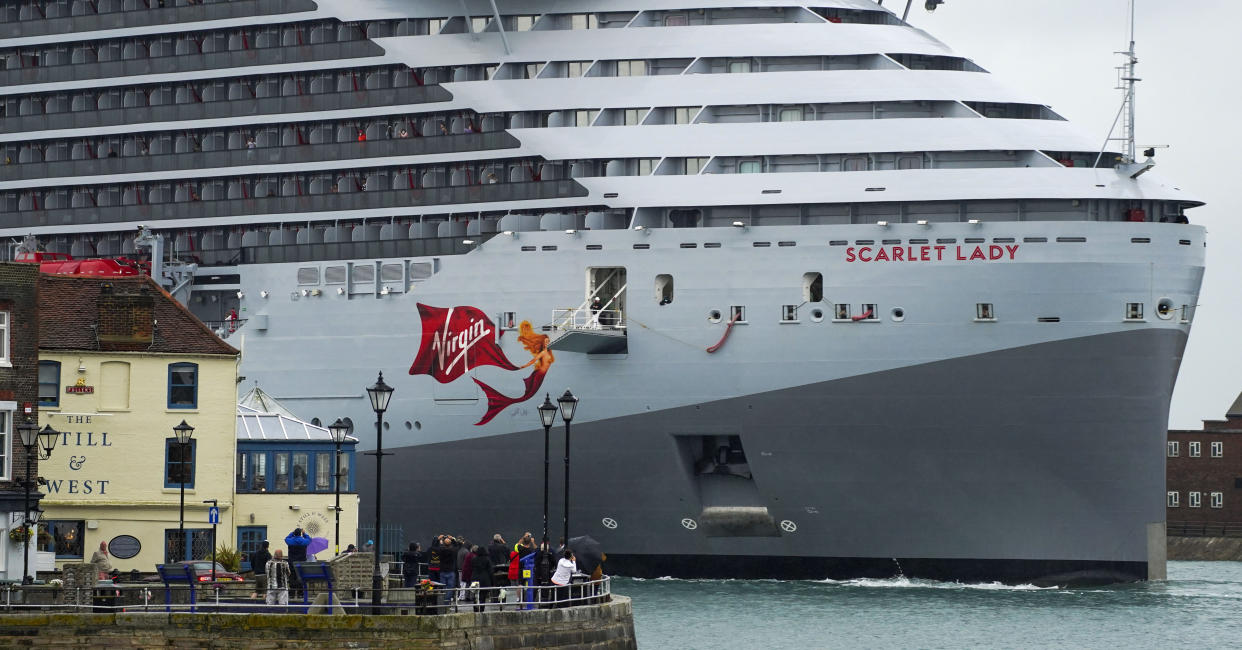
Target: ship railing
x=585, y=318
x=224, y=328
x=424, y=598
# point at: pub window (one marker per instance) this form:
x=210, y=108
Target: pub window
x=4, y=338
x=1173, y=500
x=323, y=472
x=179, y=463
x=1173, y=449
x=789, y=313
x=243, y=471
x=6, y=443
x=664, y=289
x=1218, y=499
x=1192, y=499
x=1218, y=449
x=66, y=537
x=281, y=461
x=258, y=472
x=1194, y=449
x=1134, y=311
x=343, y=472
x=182, y=385
x=984, y=311
x=841, y=311
x=49, y=383
x=301, y=471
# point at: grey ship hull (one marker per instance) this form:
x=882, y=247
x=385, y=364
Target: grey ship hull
x=977, y=468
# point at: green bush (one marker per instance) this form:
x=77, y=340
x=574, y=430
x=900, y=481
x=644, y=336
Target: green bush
x=229, y=558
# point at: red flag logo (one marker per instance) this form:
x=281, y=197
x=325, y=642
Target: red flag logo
x=456, y=339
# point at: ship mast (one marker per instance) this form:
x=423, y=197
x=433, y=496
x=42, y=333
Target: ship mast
x=1125, y=82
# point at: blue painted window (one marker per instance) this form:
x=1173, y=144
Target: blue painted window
x=191, y=544
x=182, y=385
x=249, y=539
x=49, y=383
x=67, y=537
x=179, y=462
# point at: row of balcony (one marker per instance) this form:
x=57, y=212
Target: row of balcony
x=190, y=156
x=182, y=63
x=19, y=20
x=299, y=204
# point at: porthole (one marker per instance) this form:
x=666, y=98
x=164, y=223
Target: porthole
x=713, y=316
x=817, y=315
x=897, y=314
x=1165, y=309
x=408, y=425
x=418, y=425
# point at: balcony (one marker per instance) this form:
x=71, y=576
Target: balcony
x=299, y=204
x=223, y=109
x=177, y=64
x=112, y=15
x=340, y=151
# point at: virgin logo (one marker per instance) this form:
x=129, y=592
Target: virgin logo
x=456, y=339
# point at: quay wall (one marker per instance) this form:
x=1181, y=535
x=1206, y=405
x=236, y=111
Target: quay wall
x=607, y=626
x=1205, y=548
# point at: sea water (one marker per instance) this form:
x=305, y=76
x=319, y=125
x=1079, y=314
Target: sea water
x=1199, y=606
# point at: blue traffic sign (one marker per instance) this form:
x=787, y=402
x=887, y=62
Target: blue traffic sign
x=213, y=515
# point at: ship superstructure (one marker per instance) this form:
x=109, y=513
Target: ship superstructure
x=831, y=294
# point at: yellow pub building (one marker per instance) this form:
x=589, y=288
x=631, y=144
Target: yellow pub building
x=121, y=364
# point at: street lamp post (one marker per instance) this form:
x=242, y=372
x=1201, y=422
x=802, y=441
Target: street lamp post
x=569, y=404
x=184, y=433
x=379, y=393
x=339, y=430
x=547, y=416
x=32, y=439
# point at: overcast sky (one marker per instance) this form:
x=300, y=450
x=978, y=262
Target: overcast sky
x=1062, y=51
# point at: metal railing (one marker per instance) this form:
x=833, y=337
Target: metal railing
x=241, y=597
x=1204, y=529
x=587, y=319
x=155, y=15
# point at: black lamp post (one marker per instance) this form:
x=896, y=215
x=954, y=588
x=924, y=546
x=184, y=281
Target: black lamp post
x=547, y=415
x=379, y=393
x=32, y=439
x=184, y=433
x=568, y=403
x=339, y=430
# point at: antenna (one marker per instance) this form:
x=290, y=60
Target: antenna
x=1125, y=82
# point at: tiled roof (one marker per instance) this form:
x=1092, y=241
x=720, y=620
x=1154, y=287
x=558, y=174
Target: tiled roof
x=74, y=311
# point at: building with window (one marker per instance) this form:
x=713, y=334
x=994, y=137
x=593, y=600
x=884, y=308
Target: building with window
x=284, y=478
x=18, y=392
x=1204, y=476
x=120, y=364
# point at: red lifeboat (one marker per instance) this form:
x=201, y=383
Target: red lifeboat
x=64, y=264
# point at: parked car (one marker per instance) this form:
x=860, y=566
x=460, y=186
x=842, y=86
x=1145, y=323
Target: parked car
x=202, y=571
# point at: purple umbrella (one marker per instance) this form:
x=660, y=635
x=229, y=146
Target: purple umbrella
x=316, y=544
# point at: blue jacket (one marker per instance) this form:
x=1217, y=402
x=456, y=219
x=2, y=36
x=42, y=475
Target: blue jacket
x=297, y=546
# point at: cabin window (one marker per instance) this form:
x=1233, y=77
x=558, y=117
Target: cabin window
x=854, y=164
x=739, y=66
x=634, y=116
x=647, y=165
x=812, y=287
x=1173, y=500
x=664, y=289
x=584, y=21
x=841, y=311
x=869, y=312
x=791, y=114
x=789, y=313
x=334, y=275
x=737, y=313
x=676, y=20
x=577, y=68
x=695, y=165
x=910, y=162
x=308, y=275
x=1218, y=449
x=984, y=311
x=1218, y=499
x=1134, y=311
x=749, y=167
x=1173, y=449
x=683, y=114
x=584, y=117
x=636, y=68
x=1193, y=499
x=1194, y=449
x=508, y=320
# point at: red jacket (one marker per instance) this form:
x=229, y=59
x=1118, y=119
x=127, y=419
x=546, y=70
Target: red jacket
x=515, y=570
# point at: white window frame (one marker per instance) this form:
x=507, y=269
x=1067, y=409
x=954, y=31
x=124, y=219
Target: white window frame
x=4, y=340
x=985, y=312
x=7, y=412
x=1218, y=499
x=789, y=314
x=1194, y=499
x=743, y=166
x=1174, y=449
x=1173, y=500
x=1218, y=449
x=1195, y=448
x=1134, y=311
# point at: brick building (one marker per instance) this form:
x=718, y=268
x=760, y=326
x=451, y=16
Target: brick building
x=19, y=360
x=1204, y=476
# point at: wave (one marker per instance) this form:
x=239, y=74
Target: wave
x=902, y=582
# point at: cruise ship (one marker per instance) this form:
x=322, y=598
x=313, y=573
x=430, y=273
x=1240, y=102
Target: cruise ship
x=835, y=301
